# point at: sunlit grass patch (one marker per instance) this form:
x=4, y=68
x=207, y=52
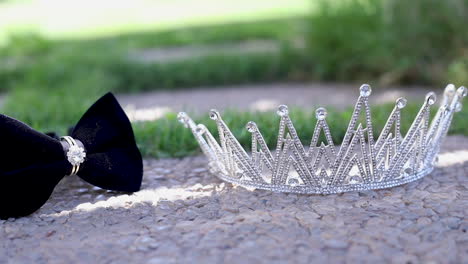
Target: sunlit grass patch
x=59, y=19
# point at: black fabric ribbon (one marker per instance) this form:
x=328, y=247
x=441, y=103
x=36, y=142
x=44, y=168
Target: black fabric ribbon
x=32, y=163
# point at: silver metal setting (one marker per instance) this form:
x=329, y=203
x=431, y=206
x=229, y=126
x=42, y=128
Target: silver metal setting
x=362, y=162
x=75, y=154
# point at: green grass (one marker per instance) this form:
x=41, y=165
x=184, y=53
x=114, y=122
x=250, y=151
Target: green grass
x=174, y=140
x=52, y=45
x=46, y=62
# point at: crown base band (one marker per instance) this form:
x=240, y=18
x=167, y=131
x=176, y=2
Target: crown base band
x=331, y=190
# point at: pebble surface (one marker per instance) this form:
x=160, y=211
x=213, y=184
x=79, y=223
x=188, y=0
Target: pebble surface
x=183, y=214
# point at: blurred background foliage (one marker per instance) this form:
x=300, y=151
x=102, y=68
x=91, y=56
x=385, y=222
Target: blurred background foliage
x=57, y=57
x=420, y=41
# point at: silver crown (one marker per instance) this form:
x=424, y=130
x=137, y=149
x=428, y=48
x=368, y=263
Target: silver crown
x=360, y=163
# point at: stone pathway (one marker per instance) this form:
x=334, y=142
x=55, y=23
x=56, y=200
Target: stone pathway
x=153, y=105
x=184, y=214
x=172, y=54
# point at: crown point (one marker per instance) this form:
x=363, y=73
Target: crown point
x=431, y=98
x=214, y=114
x=365, y=90
x=183, y=118
x=450, y=90
x=201, y=129
x=251, y=126
x=401, y=103
x=321, y=113
x=462, y=91
x=282, y=110
x=458, y=107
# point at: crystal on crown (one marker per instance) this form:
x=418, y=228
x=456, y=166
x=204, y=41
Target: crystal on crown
x=362, y=162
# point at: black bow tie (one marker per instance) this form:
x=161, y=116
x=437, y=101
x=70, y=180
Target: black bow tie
x=32, y=163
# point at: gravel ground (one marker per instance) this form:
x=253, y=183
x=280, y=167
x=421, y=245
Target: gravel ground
x=185, y=215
